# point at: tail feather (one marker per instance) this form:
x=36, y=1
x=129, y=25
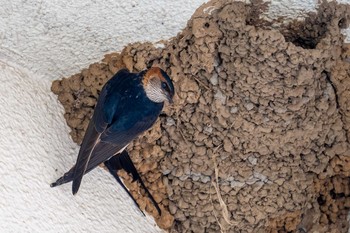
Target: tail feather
x=114, y=164
x=123, y=161
x=67, y=177
x=113, y=168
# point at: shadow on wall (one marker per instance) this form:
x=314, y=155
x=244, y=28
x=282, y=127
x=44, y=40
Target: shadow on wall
x=258, y=140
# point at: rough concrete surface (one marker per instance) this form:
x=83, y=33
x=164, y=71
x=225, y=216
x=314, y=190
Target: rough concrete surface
x=258, y=138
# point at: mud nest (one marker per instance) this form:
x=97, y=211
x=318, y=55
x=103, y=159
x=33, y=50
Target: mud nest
x=258, y=138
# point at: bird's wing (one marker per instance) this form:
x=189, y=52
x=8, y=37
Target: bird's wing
x=91, y=139
x=126, y=128
x=99, y=122
x=114, y=140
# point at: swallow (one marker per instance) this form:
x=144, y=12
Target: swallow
x=128, y=105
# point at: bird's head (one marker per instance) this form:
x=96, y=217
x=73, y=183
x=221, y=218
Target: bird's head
x=158, y=85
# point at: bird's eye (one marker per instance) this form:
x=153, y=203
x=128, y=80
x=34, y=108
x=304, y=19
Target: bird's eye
x=165, y=86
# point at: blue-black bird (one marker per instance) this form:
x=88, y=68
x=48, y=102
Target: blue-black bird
x=128, y=105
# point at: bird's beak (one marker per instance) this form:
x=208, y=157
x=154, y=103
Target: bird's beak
x=170, y=99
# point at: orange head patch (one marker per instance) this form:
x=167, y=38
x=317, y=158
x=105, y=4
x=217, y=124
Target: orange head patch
x=152, y=73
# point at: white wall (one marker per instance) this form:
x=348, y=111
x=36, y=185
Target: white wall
x=57, y=38
x=45, y=40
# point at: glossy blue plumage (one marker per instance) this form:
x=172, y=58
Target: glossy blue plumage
x=123, y=95
x=123, y=111
x=126, y=108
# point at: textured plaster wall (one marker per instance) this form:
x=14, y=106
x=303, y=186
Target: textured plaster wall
x=57, y=38
x=41, y=41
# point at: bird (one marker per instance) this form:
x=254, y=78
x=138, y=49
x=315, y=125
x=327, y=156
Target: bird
x=128, y=105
